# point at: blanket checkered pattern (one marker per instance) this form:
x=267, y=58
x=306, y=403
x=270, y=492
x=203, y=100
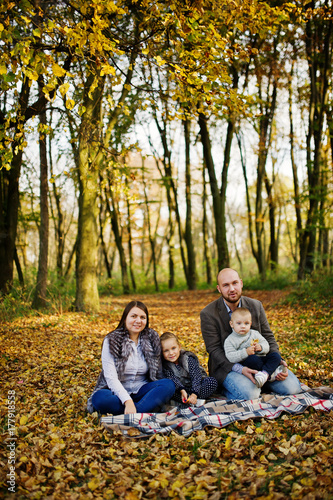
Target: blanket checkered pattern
x=217, y=413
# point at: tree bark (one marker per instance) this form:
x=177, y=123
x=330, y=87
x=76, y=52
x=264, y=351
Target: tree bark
x=9, y=198
x=221, y=242
x=191, y=268
x=319, y=52
x=205, y=229
x=41, y=286
x=87, y=298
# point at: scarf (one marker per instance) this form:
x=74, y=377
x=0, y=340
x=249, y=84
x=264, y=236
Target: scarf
x=121, y=348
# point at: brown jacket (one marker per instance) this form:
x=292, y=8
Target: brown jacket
x=215, y=329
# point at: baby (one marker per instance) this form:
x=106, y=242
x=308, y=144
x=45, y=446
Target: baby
x=251, y=349
x=183, y=368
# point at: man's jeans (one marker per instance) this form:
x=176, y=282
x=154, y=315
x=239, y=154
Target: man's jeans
x=237, y=386
x=149, y=398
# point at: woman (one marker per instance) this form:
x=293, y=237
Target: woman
x=130, y=380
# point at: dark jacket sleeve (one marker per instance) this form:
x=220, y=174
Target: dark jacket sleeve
x=214, y=334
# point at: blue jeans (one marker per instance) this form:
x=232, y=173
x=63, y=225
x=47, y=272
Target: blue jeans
x=237, y=386
x=149, y=398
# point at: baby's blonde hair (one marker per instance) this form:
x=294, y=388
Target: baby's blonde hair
x=242, y=312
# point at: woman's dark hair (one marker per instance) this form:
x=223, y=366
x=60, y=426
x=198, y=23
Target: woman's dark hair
x=130, y=305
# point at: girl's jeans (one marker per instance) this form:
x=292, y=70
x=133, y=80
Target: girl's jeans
x=149, y=398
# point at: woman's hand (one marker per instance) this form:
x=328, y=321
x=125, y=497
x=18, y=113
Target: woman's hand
x=193, y=399
x=129, y=407
x=183, y=394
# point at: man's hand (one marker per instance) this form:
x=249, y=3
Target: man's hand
x=129, y=407
x=248, y=372
x=283, y=375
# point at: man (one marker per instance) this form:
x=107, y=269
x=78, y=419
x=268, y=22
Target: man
x=237, y=381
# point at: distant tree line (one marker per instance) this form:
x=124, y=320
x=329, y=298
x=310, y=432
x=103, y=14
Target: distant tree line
x=129, y=103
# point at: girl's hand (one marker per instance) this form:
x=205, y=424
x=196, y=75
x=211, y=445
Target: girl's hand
x=183, y=394
x=257, y=347
x=193, y=399
x=129, y=407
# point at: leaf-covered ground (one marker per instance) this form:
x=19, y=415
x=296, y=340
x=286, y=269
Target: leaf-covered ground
x=60, y=452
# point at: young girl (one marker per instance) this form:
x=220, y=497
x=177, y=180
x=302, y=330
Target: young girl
x=183, y=368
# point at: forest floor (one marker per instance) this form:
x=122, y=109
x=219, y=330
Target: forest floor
x=49, y=366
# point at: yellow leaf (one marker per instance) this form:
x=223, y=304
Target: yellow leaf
x=57, y=70
x=145, y=51
x=177, y=484
x=94, y=484
x=307, y=481
x=106, y=69
x=228, y=442
x=261, y=472
x=3, y=69
x=159, y=60
x=63, y=89
x=70, y=104
x=23, y=420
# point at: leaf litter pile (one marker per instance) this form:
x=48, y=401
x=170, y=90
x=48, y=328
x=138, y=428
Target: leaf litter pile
x=61, y=452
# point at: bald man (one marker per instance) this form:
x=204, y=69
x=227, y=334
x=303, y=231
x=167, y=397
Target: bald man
x=235, y=380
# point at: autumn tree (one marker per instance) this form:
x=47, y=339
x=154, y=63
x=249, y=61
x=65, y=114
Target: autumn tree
x=318, y=37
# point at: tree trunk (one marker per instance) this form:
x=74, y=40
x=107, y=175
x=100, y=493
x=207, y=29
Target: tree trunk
x=87, y=298
x=113, y=210
x=9, y=199
x=58, y=219
x=129, y=232
x=248, y=199
x=101, y=229
x=18, y=267
x=293, y=162
x=221, y=242
x=191, y=268
x=205, y=229
x=152, y=241
x=318, y=50
x=41, y=286
x=172, y=191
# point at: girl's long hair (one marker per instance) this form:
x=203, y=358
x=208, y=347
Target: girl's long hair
x=130, y=305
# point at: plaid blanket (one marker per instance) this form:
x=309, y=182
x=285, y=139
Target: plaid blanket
x=218, y=413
